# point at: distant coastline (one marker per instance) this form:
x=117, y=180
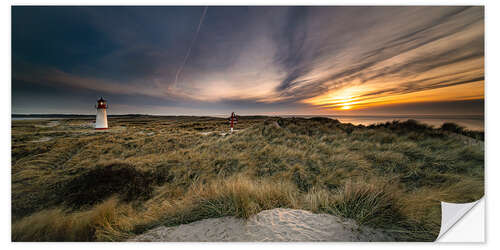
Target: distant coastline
x=472, y=122
x=302, y=116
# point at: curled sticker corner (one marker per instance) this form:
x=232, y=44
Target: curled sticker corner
x=451, y=213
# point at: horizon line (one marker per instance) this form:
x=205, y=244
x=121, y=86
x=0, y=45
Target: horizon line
x=269, y=115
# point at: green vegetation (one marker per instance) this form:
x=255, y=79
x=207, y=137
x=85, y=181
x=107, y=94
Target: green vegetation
x=85, y=185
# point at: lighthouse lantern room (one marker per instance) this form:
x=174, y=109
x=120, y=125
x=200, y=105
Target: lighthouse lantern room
x=101, y=120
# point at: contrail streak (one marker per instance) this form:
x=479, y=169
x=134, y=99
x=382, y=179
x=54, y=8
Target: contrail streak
x=179, y=71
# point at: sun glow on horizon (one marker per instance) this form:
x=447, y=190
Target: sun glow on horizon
x=360, y=97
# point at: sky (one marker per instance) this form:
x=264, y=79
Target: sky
x=174, y=60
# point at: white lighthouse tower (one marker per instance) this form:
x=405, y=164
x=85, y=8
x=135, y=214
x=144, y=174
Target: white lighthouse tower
x=101, y=119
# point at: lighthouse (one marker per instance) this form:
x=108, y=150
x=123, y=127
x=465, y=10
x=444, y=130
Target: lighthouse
x=101, y=119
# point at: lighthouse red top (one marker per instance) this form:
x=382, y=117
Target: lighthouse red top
x=101, y=104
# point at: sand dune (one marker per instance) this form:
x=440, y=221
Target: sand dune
x=269, y=225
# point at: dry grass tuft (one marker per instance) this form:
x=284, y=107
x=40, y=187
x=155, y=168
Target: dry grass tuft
x=372, y=203
x=97, y=224
x=234, y=196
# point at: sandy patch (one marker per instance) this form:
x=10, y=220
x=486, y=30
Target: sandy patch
x=144, y=133
x=276, y=125
x=215, y=132
x=49, y=124
x=43, y=139
x=229, y=133
x=270, y=225
x=87, y=125
x=92, y=130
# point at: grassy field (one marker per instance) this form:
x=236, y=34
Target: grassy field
x=72, y=183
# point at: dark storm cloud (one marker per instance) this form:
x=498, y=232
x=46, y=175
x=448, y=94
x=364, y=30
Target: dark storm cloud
x=120, y=43
x=57, y=36
x=254, y=58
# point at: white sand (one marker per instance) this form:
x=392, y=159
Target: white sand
x=270, y=225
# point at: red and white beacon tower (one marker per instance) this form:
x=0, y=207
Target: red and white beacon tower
x=233, y=120
x=101, y=119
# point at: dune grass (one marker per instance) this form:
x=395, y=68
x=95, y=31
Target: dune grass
x=84, y=185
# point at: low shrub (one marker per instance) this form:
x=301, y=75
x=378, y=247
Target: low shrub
x=452, y=127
